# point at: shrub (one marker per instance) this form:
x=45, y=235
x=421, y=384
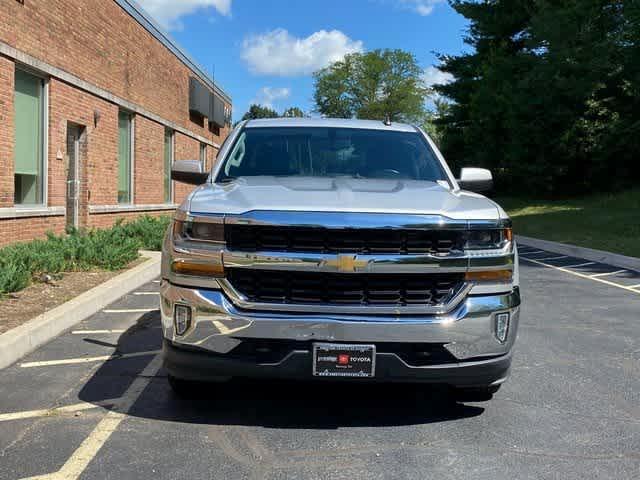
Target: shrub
x=108, y=249
x=148, y=231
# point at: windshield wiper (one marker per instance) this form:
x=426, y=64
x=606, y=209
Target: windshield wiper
x=227, y=180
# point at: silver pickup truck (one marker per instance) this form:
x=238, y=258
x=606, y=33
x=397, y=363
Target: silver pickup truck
x=338, y=249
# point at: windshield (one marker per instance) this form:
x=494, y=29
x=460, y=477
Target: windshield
x=330, y=152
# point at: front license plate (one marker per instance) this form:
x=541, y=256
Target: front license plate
x=339, y=360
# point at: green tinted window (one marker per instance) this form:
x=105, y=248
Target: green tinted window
x=29, y=138
x=124, y=157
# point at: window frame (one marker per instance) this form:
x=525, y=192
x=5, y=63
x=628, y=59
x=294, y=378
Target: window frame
x=132, y=148
x=172, y=150
x=203, y=155
x=44, y=154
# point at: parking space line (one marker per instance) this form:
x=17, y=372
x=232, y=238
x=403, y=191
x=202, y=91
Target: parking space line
x=535, y=252
x=131, y=310
x=146, y=293
x=86, y=452
x=77, y=407
x=582, y=275
x=635, y=286
x=606, y=274
x=586, y=264
x=96, y=332
x=75, y=361
x=553, y=258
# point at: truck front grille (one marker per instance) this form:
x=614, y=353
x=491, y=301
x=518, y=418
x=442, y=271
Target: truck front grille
x=274, y=351
x=253, y=238
x=292, y=287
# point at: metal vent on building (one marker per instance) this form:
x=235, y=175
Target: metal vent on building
x=217, y=114
x=199, y=97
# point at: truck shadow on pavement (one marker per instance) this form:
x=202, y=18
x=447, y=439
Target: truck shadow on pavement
x=267, y=403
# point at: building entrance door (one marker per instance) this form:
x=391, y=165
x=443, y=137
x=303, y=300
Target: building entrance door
x=74, y=134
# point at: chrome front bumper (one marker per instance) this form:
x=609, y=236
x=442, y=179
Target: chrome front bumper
x=468, y=331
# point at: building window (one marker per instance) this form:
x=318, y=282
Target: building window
x=203, y=155
x=125, y=157
x=29, y=103
x=168, y=161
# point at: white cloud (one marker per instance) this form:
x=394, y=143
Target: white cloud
x=267, y=96
x=434, y=76
x=279, y=53
x=169, y=12
x=421, y=7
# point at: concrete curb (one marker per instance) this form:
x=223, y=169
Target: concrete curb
x=622, y=261
x=22, y=340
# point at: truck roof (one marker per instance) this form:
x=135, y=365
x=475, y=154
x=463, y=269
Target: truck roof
x=329, y=122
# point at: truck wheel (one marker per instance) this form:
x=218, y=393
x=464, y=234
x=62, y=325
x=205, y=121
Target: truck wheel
x=475, y=394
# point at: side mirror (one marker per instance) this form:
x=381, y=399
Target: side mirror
x=189, y=171
x=475, y=179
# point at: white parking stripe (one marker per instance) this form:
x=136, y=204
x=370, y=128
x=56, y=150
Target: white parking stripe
x=635, y=286
x=582, y=275
x=78, y=407
x=75, y=361
x=131, y=310
x=90, y=447
x=606, y=274
x=586, y=264
x=96, y=332
x=146, y=293
x=552, y=258
x=155, y=281
x=535, y=252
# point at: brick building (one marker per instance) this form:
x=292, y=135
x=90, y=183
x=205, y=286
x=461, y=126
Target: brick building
x=96, y=101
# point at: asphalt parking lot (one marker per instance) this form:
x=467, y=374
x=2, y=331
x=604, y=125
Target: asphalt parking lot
x=94, y=403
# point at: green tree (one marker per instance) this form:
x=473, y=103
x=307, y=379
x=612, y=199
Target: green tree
x=293, y=112
x=259, y=111
x=372, y=85
x=546, y=95
x=430, y=125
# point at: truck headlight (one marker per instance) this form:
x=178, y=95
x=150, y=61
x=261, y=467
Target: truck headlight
x=494, y=239
x=198, y=231
x=198, y=243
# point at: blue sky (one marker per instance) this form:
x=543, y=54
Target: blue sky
x=265, y=50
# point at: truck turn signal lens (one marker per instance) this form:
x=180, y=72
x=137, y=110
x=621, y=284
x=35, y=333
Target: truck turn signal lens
x=489, y=276
x=184, y=267
x=508, y=234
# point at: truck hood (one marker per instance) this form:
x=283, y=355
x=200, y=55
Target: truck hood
x=339, y=194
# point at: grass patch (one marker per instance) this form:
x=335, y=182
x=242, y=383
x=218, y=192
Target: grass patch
x=608, y=222
x=108, y=249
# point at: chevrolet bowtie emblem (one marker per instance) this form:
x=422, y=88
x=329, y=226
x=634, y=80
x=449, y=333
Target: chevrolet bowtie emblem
x=347, y=263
